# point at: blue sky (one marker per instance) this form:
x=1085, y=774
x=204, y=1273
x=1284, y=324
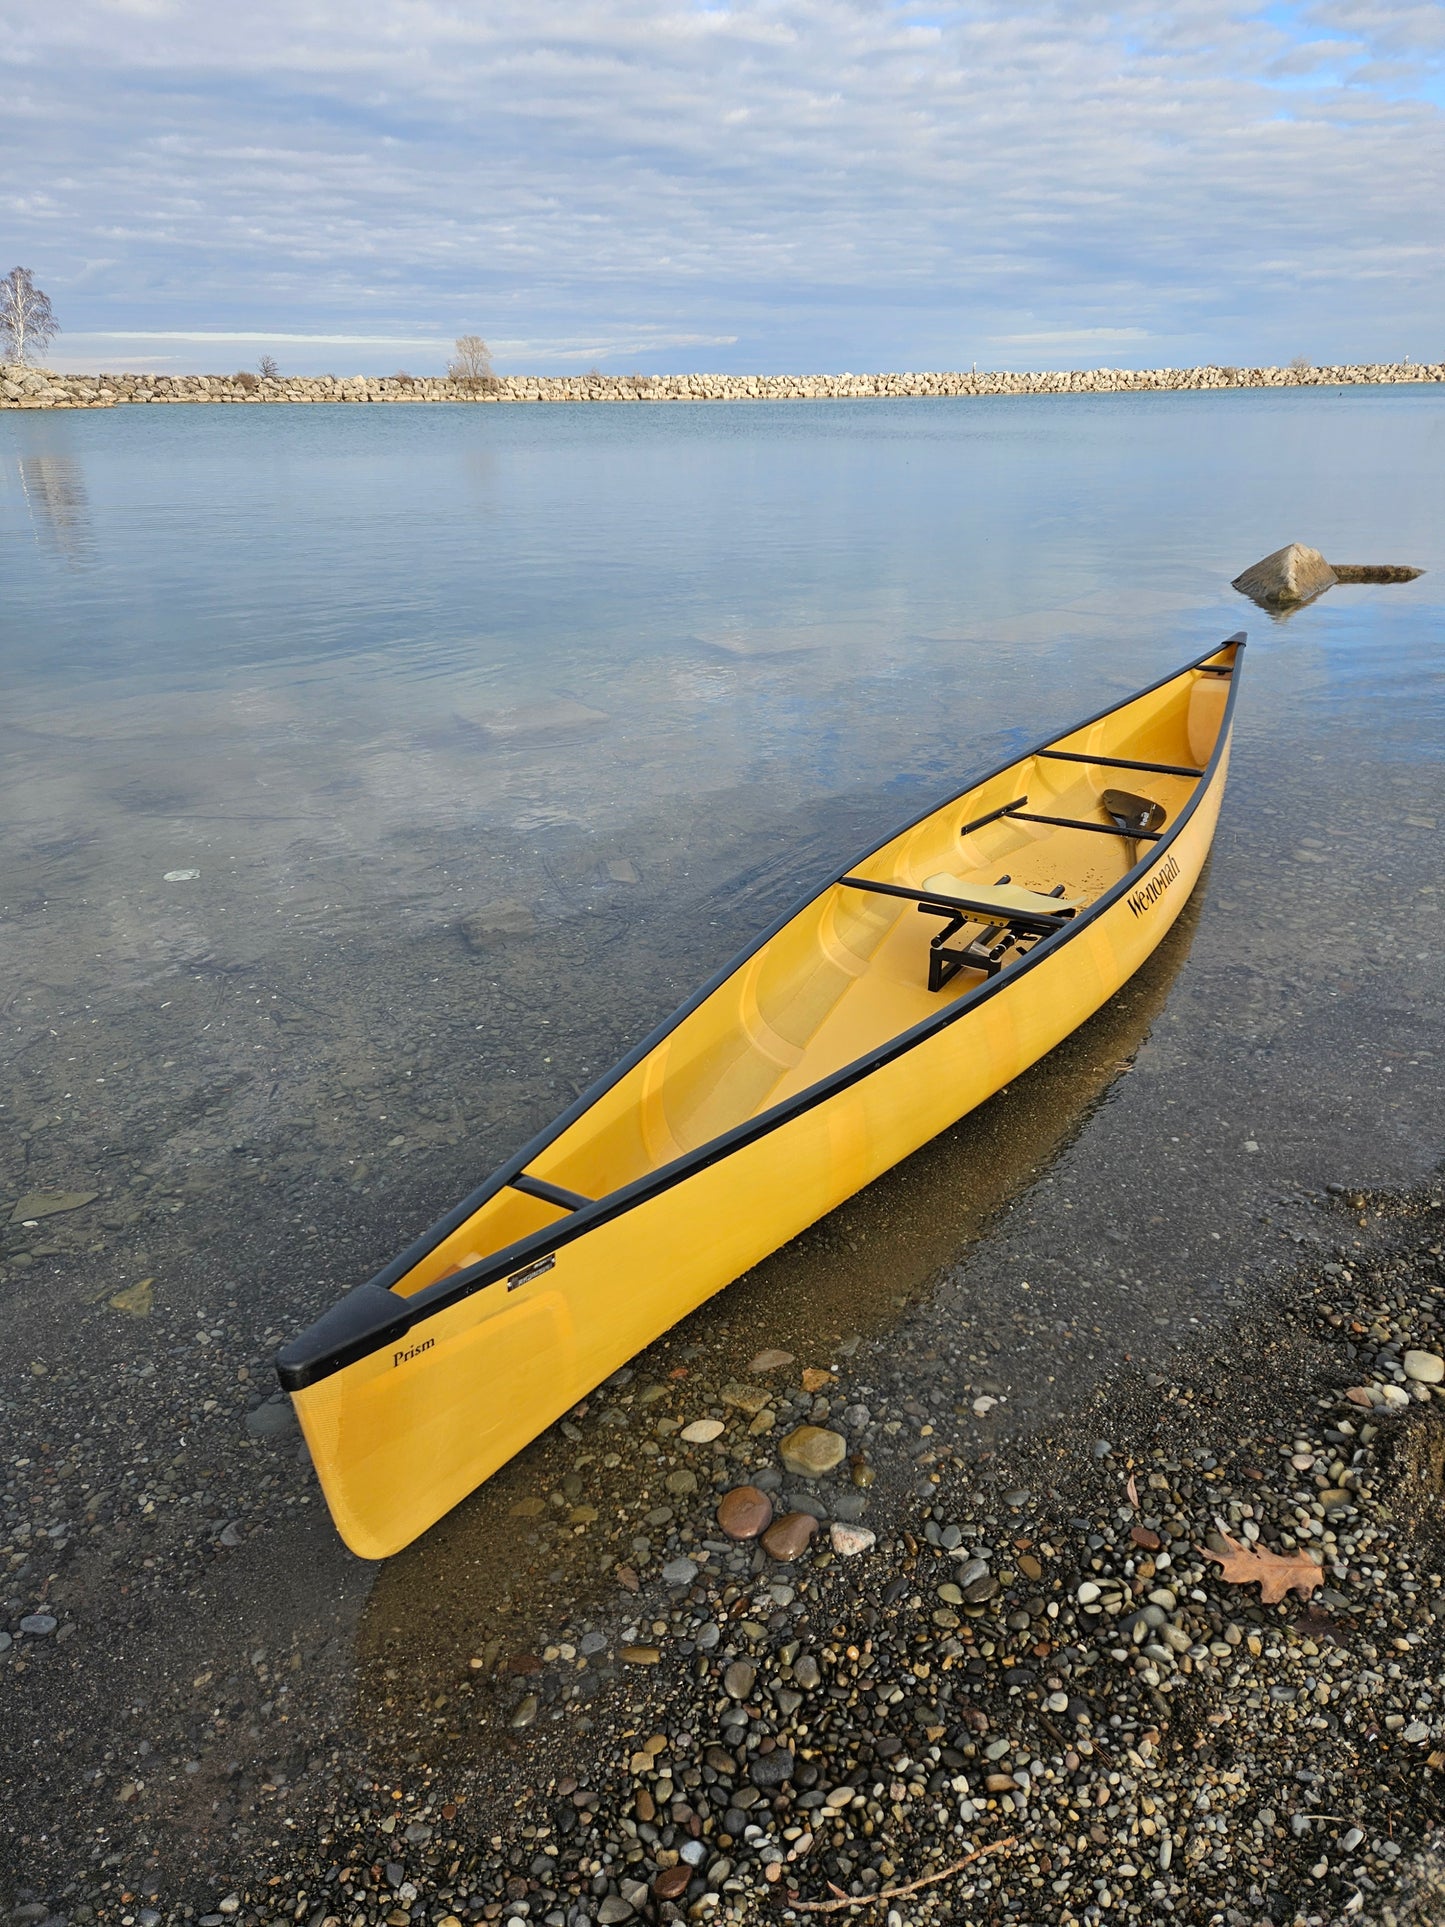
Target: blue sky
x=802, y=184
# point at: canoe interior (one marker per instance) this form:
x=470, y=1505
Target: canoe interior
x=849, y=971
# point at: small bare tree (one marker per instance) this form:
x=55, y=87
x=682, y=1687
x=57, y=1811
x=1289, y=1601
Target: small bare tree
x=267, y=368
x=27, y=326
x=472, y=363
x=1301, y=364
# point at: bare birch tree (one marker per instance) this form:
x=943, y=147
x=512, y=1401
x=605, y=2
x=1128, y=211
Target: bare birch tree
x=27, y=326
x=472, y=363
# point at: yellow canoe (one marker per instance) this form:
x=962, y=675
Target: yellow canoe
x=909, y=988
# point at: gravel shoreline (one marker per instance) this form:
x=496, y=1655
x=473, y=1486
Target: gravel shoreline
x=1039, y=1649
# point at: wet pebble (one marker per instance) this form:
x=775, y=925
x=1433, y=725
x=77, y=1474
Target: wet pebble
x=739, y=1678
x=787, y=1538
x=850, y=1541
x=702, y=1431
x=770, y=1770
x=745, y=1512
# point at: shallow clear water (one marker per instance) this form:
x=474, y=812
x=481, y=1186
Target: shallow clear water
x=293, y=699
x=300, y=644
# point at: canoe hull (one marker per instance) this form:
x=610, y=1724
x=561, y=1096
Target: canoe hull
x=402, y=1434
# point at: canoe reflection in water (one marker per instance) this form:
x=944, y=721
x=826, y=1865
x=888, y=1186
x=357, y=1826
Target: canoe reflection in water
x=844, y=1039
x=485, y=1578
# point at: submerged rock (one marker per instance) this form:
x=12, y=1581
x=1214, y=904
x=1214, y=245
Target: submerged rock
x=812, y=1449
x=769, y=1361
x=49, y=1204
x=1374, y=572
x=493, y=921
x=1291, y=575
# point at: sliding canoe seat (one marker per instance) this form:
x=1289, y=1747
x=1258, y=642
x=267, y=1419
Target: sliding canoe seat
x=1009, y=899
x=1010, y=915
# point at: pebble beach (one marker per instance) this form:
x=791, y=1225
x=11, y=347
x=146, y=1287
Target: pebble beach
x=857, y=1650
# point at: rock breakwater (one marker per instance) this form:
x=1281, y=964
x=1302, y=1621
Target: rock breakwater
x=27, y=387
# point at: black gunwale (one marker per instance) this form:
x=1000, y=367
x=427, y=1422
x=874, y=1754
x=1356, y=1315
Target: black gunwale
x=370, y=1316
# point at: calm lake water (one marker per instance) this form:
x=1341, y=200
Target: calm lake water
x=295, y=699
x=313, y=646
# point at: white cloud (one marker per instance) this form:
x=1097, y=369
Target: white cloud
x=819, y=182
x=1064, y=337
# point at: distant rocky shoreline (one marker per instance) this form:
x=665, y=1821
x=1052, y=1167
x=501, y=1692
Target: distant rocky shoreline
x=27, y=387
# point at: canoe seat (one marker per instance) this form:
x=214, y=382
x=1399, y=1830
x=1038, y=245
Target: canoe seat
x=1009, y=899
x=1012, y=917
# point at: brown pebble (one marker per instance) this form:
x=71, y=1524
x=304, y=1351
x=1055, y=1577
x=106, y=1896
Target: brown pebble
x=745, y=1512
x=787, y=1537
x=769, y=1361
x=640, y=1655
x=739, y=1678
x=1029, y=1566
x=815, y=1378
x=644, y=1805
x=671, y=1883
x=1142, y=1536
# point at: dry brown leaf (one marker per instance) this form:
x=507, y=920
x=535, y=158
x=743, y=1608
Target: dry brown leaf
x=1133, y=1491
x=1272, y=1572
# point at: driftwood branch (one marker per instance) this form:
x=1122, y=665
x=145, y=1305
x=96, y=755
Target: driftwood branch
x=908, y=1887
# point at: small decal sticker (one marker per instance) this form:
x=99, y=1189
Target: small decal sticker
x=413, y=1351
x=525, y=1276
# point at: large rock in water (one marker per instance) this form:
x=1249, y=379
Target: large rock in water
x=494, y=921
x=1291, y=575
